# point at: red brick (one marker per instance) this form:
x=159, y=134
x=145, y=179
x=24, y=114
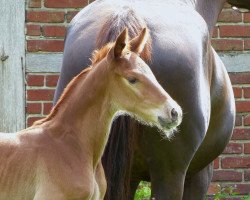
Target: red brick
x=227, y=176
x=227, y=44
x=33, y=30
x=230, y=16
x=241, y=134
x=242, y=106
x=40, y=95
x=51, y=80
x=247, y=120
x=65, y=3
x=233, y=148
x=47, y=108
x=35, y=80
x=34, y=3
x=240, y=78
x=247, y=148
x=235, y=162
x=45, y=16
x=238, y=120
x=45, y=45
x=242, y=189
x=246, y=44
x=31, y=120
x=246, y=17
x=54, y=31
x=216, y=32
x=70, y=15
x=34, y=108
x=247, y=175
x=216, y=163
x=235, y=31
x=246, y=92
x=214, y=188
x=237, y=92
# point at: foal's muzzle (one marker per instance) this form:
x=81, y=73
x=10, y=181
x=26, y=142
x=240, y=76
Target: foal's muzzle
x=172, y=120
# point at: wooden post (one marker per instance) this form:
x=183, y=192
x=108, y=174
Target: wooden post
x=12, y=62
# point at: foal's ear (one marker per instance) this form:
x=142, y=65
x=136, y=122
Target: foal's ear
x=121, y=43
x=138, y=43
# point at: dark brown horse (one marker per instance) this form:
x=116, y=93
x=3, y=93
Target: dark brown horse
x=186, y=65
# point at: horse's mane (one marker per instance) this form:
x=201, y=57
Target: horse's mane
x=97, y=56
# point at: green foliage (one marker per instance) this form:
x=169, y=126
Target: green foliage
x=225, y=193
x=246, y=198
x=143, y=191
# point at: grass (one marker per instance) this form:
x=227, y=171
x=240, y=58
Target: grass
x=143, y=192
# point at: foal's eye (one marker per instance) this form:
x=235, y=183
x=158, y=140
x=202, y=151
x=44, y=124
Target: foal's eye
x=132, y=80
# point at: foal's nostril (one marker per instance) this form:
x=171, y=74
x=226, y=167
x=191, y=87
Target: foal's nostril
x=174, y=114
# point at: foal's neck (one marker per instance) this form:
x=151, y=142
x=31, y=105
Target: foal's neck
x=87, y=113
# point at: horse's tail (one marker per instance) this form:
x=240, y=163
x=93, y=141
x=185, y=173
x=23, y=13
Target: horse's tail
x=117, y=159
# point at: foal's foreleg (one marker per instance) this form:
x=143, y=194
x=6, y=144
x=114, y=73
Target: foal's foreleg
x=101, y=181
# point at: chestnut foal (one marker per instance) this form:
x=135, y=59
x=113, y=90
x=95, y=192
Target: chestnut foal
x=59, y=157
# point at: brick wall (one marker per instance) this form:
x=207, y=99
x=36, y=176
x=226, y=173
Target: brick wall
x=232, y=168
x=46, y=22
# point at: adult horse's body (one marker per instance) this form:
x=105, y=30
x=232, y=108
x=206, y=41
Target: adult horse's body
x=188, y=68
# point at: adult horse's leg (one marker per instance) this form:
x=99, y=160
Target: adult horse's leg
x=218, y=134
x=167, y=169
x=167, y=187
x=196, y=187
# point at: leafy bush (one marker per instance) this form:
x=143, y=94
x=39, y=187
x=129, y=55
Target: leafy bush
x=246, y=198
x=225, y=192
x=143, y=192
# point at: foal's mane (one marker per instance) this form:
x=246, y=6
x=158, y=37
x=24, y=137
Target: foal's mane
x=97, y=56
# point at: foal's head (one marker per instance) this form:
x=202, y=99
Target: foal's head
x=134, y=89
